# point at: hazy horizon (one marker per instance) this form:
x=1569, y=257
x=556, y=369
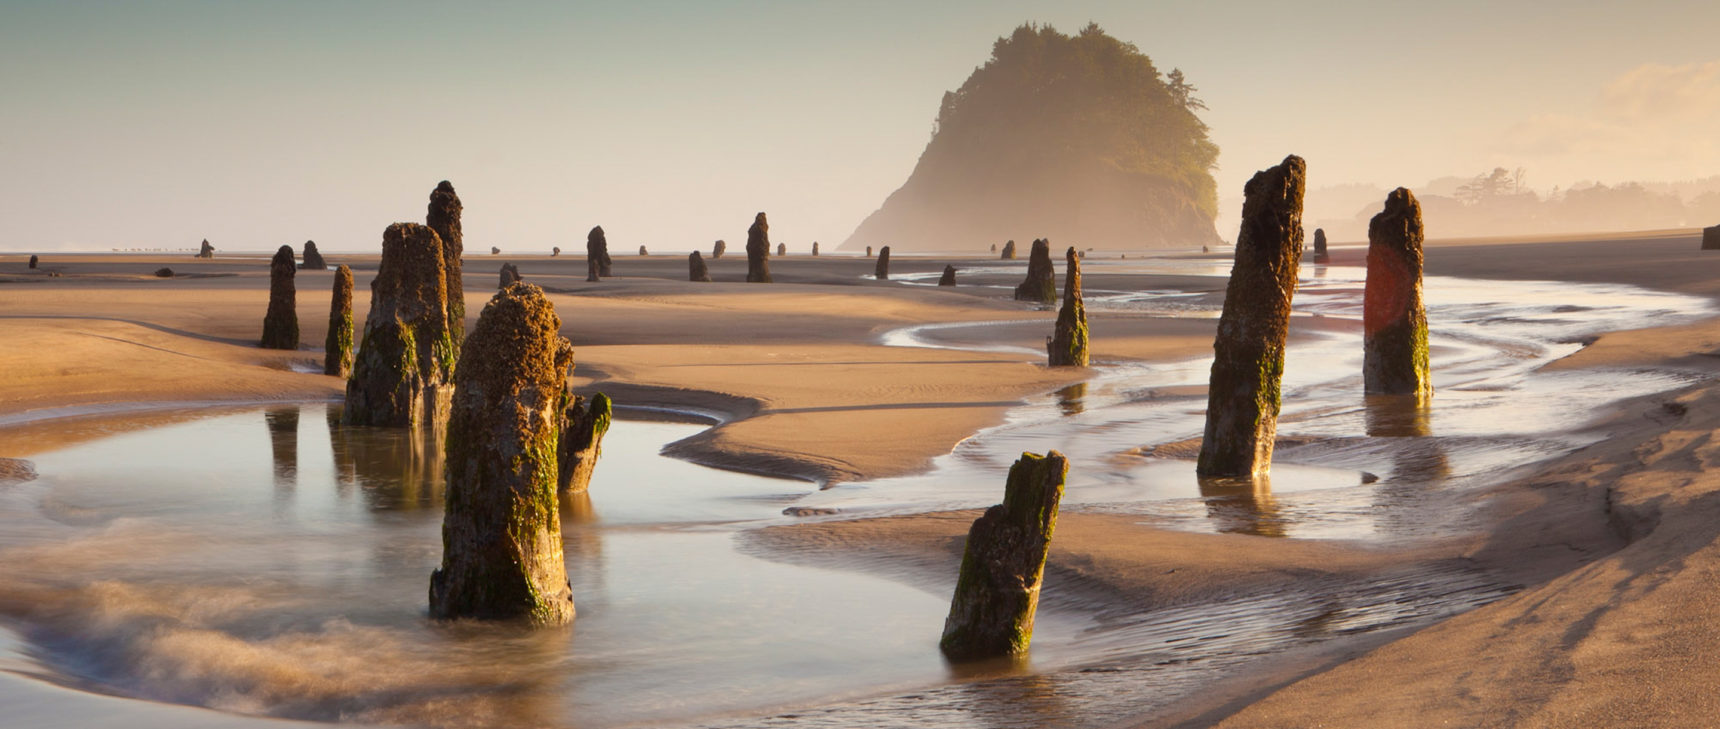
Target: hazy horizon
x=671, y=123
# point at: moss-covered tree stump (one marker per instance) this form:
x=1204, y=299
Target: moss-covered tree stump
x=337, y=346
x=403, y=374
x=501, y=530
x=1003, y=563
x=281, y=323
x=443, y=216
x=584, y=422
x=1067, y=344
x=758, y=250
x=1394, y=320
x=1041, y=283
x=1248, y=353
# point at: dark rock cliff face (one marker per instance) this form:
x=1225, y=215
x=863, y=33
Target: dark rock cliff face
x=1069, y=137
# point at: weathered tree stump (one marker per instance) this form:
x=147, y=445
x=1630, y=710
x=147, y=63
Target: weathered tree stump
x=597, y=249
x=1711, y=238
x=815, y=248
x=206, y=250
x=781, y=249
x=554, y=251
x=1008, y=251
x=994, y=248
x=1394, y=321
x=313, y=260
x=404, y=372
x=337, y=347
x=163, y=272
x=1248, y=354
x=881, y=271
x=584, y=422
x=1041, y=283
x=758, y=251
x=717, y=249
x=281, y=323
x=501, y=531
x=1003, y=563
x=949, y=277
x=643, y=252
x=696, y=269
x=1067, y=344
x=868, y=251
x=509, y=275
x=33, y=261
x=443, y=216
x=1320, y=254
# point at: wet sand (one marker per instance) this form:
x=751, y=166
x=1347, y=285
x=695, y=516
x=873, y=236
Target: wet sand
x=1614, y=543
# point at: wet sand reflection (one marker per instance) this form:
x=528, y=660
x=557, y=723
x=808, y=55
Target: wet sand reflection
x=1243, y=506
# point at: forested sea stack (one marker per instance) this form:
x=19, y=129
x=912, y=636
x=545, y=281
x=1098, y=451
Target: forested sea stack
x=758, y=251
x=403, y=375
x=337, y=347
x=997, y=592
x=597, y=249
x=1394, y=321
x=1041, y=283
x=1248, y=354
x=881, y=271
x=281, y=323
x=696, y=269
x=501, y=532
x=1067, y=344
x=444, y=218
x=1076, y=137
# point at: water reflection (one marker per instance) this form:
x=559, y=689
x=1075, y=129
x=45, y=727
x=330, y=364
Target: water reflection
x=1030, y=700
x=283, y=424
x=396, y=469
x=1072, y=400
x=1243, y=506
x=1422, y=460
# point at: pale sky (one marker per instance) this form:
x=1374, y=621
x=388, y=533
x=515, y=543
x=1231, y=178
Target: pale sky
x=158, y=124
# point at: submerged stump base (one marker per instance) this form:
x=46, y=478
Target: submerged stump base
x=997, y=593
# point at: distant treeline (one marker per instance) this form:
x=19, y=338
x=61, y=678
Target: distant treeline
x=1501, y=203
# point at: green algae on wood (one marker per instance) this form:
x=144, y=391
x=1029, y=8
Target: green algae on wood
x=1003, y=564
x=337, y=346
x=584, y=421
x=1067, y=345
x=403, y=374
x=281, y=323
x=501, y=531
x=1248, y=353
x=1394, y=319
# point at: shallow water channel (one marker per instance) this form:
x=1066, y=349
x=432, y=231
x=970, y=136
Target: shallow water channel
x=264, y=561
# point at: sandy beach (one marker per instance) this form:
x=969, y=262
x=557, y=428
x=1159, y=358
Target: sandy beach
x=1613, y=546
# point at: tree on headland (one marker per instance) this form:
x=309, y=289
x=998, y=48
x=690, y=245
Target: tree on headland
x=1076, y=138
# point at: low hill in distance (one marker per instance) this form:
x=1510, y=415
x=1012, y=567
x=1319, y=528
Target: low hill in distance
x=1077, y=138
